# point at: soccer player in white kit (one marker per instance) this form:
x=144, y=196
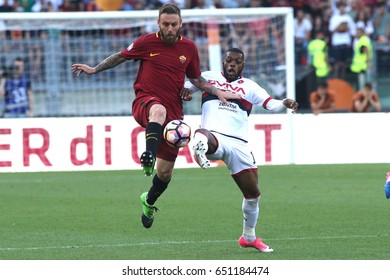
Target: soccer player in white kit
x=224, y=135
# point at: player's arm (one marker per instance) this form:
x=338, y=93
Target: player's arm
x=332, y=107
x=317, y=104
x=204, y=85
x=315, y=108
x=360, y=104
x=276, y=105
x=109, y=62
x=187, y=91
x=291, y=104
x=374, y=101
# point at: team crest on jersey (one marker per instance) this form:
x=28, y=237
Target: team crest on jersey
x=182, y=59
x=130, y=47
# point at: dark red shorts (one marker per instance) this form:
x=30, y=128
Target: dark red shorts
x=140, y=108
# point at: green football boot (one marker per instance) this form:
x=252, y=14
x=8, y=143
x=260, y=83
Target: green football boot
x=147, y=162
x=147, y=216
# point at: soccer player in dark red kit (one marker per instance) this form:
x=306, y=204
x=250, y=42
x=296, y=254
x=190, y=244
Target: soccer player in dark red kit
x=166, y=59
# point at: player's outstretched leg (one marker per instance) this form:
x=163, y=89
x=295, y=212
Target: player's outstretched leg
x=147, y=162
x=147, y=216
x=387, y=185
x=200, y=148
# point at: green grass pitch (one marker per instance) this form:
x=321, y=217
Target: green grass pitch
x=315, y=212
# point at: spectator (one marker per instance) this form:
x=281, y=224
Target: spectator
x=17, y=93
x=363, y=19
x=382, y=23
x=335, y=8
x=42, y=6
x=19, y=7
x=230, y=4
x=219, y=5
x=302, y=5
x=280, y=3
x=91, y=6
x=325, y=16
x=180, y=3
x=203, y=4
x=302, y=29
x=320, y=26
x=318, y=56
x=366, y=100
x=153, y=4
x=6, y=7
x=318, y=7
x=254, y=4
x=27, y=5
x=71, y=6
x=10, y=2
x=362, y=56
x=343, y=28
x=140, y=5
x=356, y=6
x=322, y=100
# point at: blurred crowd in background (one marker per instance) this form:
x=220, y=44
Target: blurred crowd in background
x=348, y=39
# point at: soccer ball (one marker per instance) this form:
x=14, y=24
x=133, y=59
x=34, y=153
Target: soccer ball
x=177, y=133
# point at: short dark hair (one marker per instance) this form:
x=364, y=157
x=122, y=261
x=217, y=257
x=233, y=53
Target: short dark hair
x=368, y=85
x=236, y=50
x=170, y=9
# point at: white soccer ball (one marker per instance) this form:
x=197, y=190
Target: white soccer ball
x=177, y=133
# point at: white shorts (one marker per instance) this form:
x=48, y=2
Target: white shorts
x=235, y=153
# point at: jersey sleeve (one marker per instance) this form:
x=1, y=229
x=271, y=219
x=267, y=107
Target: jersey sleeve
x=261, y=97
x=135, y=50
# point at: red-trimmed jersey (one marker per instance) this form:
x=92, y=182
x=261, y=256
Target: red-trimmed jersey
x=163, y=69
x=232, y=118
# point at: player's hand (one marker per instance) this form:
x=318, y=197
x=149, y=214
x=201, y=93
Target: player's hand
x=224, y=96
x=186, y=94
x=291, y=104
x=83, y=68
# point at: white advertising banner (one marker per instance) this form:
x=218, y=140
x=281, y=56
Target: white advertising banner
x=115, y=143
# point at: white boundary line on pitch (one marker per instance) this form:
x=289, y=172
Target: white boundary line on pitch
x=178, y=242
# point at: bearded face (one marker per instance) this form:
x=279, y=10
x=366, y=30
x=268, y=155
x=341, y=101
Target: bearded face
x=169, y=25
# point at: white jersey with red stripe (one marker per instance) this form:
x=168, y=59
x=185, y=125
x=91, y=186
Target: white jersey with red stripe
x=232, y=119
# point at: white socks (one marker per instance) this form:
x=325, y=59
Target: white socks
x=250, y=209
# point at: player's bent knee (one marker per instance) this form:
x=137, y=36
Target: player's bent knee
x=158, y=113
x=164, y=174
